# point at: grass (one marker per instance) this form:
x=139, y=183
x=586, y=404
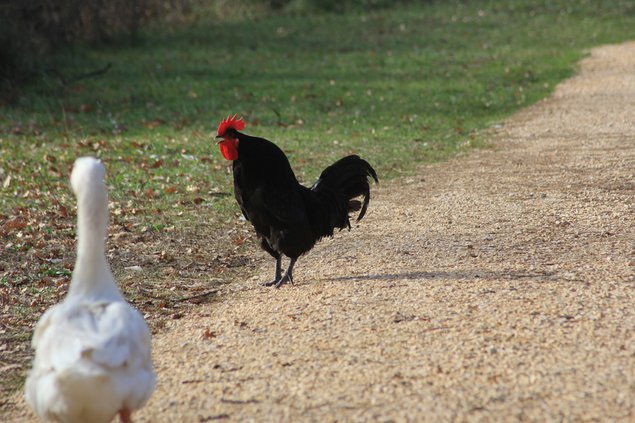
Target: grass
x=400, y=87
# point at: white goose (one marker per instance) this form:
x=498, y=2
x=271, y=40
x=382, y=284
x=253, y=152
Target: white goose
x=92, y=350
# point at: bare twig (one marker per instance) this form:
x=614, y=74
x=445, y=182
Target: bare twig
x=68, y=81
x=204, y=294
x=237, y=401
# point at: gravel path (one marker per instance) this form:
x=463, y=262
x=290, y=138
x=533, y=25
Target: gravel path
x=494, y=287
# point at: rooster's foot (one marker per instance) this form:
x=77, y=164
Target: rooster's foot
x=286, y=279
x=272, y=283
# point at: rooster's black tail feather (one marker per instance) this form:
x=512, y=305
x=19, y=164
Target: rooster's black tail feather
x=336, y=189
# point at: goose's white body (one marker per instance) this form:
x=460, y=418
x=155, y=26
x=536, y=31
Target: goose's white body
x=93, y=350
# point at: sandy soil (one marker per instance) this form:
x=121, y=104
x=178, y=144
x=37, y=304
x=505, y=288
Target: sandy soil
x=495, y=287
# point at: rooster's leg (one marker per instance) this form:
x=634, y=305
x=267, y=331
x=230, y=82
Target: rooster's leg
x=278, y=276
x=288, y=276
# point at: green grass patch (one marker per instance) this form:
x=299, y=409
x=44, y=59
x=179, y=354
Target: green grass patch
x=399, y=86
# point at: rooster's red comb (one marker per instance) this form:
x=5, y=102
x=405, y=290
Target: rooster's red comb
x=231, y=122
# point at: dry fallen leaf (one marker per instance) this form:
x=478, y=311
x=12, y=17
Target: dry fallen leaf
x=14, y=223
x=239, y=240
x=208, y=334
x=156, y=164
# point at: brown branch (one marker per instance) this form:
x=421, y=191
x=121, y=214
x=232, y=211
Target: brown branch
x=204, y=294
x=68, y=81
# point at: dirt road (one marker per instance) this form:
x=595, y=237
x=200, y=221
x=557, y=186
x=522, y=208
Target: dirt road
x=499, y=286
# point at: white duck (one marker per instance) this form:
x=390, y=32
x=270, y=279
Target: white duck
x=92, y=350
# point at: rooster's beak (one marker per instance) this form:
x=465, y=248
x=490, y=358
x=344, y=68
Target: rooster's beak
x=219, y=138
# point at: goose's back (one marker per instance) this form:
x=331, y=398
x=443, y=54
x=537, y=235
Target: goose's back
x=93, y=358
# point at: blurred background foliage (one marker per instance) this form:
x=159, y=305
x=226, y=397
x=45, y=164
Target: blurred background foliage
x=29, y=30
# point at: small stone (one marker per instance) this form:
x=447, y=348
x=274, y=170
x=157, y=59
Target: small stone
x=134, y=268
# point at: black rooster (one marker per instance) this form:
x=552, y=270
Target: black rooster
x=288, y=217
